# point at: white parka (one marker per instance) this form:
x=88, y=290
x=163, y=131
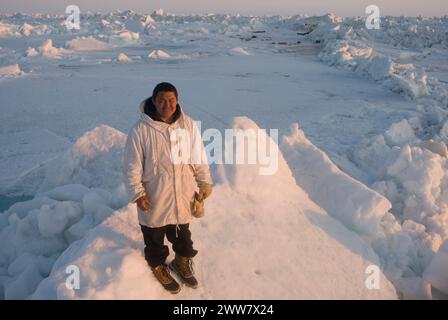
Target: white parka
x=149, y=169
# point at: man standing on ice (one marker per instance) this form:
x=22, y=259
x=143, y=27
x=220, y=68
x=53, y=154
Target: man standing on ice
x=164, y=187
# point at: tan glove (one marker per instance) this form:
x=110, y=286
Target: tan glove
x=143, y=203
x=197, y=206
x=205, y=190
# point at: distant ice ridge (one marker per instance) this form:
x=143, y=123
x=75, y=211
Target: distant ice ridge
x=348, y=44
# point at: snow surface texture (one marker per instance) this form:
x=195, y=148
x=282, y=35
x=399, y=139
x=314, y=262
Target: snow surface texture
x=391, y=191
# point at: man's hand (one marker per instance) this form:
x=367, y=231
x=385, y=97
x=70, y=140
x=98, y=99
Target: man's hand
x=205, y=191
x=143, y=203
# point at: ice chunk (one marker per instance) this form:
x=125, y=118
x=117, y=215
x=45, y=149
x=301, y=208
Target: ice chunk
x=11, y=70
x=399, y=134
x=9, y=30
x=123, y=58
x=436, y=273
x=53, y=220
x=435, y=147
x=31, y=52
x=129, y=35
x=159, y=54
x=48, y=50
x=238, y=51
x=87, y=44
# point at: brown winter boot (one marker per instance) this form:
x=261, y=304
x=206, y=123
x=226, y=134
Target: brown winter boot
x=163, y=275
x=184, y=269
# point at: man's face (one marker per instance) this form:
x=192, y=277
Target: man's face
x=165, y=103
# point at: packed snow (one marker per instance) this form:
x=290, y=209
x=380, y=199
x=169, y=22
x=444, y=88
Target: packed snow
x=362, y=175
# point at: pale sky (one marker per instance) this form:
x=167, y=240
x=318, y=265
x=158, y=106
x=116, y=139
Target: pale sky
x=257, y=7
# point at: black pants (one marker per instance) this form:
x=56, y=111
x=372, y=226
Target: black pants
x=156, y=252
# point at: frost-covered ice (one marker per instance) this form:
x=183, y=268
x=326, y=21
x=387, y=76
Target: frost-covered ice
x=362, y=177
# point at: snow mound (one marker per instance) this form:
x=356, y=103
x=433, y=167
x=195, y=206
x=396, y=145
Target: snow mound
x=238, y=51
x=48, y=50
x=159, y=54
x=346, y=199
x=123, y=58
x=9, y=30
x=87, y=44
x=94, y=161
x=28, y=30
x=320, y=258
x=167, y=57
x=31, y=52
x=10, y=70
x=129, y=36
